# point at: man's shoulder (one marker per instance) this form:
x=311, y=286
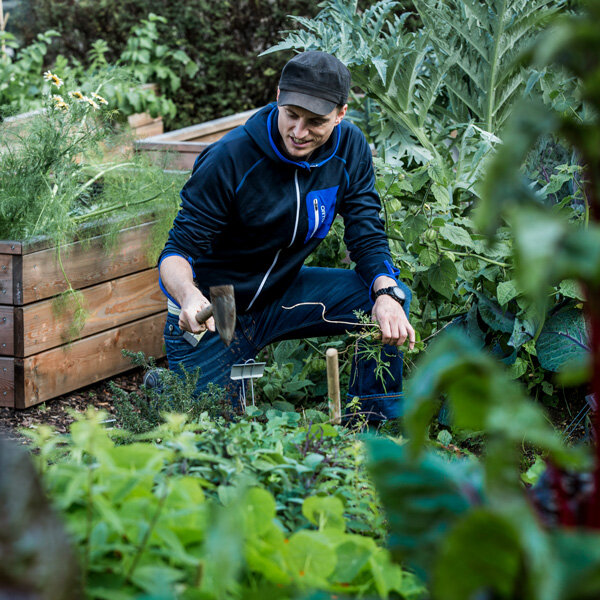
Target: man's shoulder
x=353, y=143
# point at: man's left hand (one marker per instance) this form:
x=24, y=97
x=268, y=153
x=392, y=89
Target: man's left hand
x=395, y=328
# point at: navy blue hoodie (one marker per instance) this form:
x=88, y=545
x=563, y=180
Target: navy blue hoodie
x=250, y=216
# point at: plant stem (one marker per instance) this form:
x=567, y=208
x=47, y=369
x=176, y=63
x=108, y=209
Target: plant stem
x=484, y=258
x=102, y=211
x=144, y=543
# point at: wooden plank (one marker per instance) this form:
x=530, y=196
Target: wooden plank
x=211, y=137
x=7, y=382
x=139, y=119
x=149, y=130
x=177, y=161
x=207, y=128
x=61, y=370
x=6, y=278
x=7, y=331
x=109, y=305
x=150, y=144
x=9, y=247
x=86, y=263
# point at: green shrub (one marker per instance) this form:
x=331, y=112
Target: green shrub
x=222, y=38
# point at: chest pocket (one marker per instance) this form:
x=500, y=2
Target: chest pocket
x=320, y=206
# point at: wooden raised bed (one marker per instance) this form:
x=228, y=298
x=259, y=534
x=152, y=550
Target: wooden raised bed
x=178, y=149
x=120, y=290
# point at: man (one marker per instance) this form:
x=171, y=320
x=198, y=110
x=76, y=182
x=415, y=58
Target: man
x=259, y=201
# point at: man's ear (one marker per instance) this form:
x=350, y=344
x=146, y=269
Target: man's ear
x=341, y=114
x=277, y=93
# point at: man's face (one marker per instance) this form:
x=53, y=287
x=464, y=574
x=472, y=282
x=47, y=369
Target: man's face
x=303, y=131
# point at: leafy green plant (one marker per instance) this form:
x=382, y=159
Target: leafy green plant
x=222, y=39
x=469, y=527
x=149, y=518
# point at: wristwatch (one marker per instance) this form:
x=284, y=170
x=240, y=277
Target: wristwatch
x=394, y=291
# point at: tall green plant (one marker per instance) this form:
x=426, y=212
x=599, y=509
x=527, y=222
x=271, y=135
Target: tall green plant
x=479, y=533
x=483, y=39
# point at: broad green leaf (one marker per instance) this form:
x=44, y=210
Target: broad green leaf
x=442, y=277
x=352, y=555
x=480, y=554
x=311, y=559
x=422, y=498
x=456, y=235
x=493, y=315
x=326, y=512
x=506, y=291
x=571, y=289
x=564, y=338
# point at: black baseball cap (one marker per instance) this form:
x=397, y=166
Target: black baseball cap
x=316, y=81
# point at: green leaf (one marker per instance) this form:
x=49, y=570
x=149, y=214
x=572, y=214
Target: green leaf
x=571, y=289
x=456, y=235
x=564, y=338
x=442, y=277
x=326, y=512
x=310, y=557
x=422, y=498
x=493, y=315
x=506, y=291
x=481, y=554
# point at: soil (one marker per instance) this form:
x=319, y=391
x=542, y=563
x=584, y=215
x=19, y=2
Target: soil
x=57, y=412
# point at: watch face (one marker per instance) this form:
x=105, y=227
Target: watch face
x=398, y=294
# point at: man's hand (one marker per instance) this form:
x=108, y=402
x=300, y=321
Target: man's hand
x=194, y=302
x=176, y=275
x=395, y=328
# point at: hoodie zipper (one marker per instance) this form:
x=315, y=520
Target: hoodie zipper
x=317, y=220
x=264, y=279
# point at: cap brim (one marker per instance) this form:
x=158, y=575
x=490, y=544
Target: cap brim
x=311, y=103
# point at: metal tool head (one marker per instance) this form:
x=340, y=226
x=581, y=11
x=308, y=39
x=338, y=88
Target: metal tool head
x=223, y=309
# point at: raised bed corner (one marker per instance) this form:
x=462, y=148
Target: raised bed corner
x=40, y=358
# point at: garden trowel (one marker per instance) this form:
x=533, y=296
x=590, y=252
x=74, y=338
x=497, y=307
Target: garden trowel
x=222, y=309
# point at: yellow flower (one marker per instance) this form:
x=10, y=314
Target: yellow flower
x=99, y=98
x=58, y=98
x=55, y=79
x=77, y=95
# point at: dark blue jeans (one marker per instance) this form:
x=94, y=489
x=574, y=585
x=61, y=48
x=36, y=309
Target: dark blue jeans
x=342, y=292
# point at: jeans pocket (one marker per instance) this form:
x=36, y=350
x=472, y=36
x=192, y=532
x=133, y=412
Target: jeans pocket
x=172, y=331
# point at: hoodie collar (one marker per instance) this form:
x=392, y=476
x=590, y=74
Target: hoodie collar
x=272, y=131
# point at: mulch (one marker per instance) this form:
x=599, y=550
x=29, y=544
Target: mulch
x=58, y=412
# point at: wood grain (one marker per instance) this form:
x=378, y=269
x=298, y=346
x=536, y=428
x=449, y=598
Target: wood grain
x=86, y=263
x=108, y=304
x=7, y=382
x=6, y=278
x=55, y=372
x=7, y=331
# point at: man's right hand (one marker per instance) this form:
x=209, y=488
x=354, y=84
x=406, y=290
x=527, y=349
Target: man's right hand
x=194, y=302
x=176, y=275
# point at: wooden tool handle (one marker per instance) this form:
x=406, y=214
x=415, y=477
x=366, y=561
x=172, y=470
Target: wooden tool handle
x=333, y=386
x=204, y=314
